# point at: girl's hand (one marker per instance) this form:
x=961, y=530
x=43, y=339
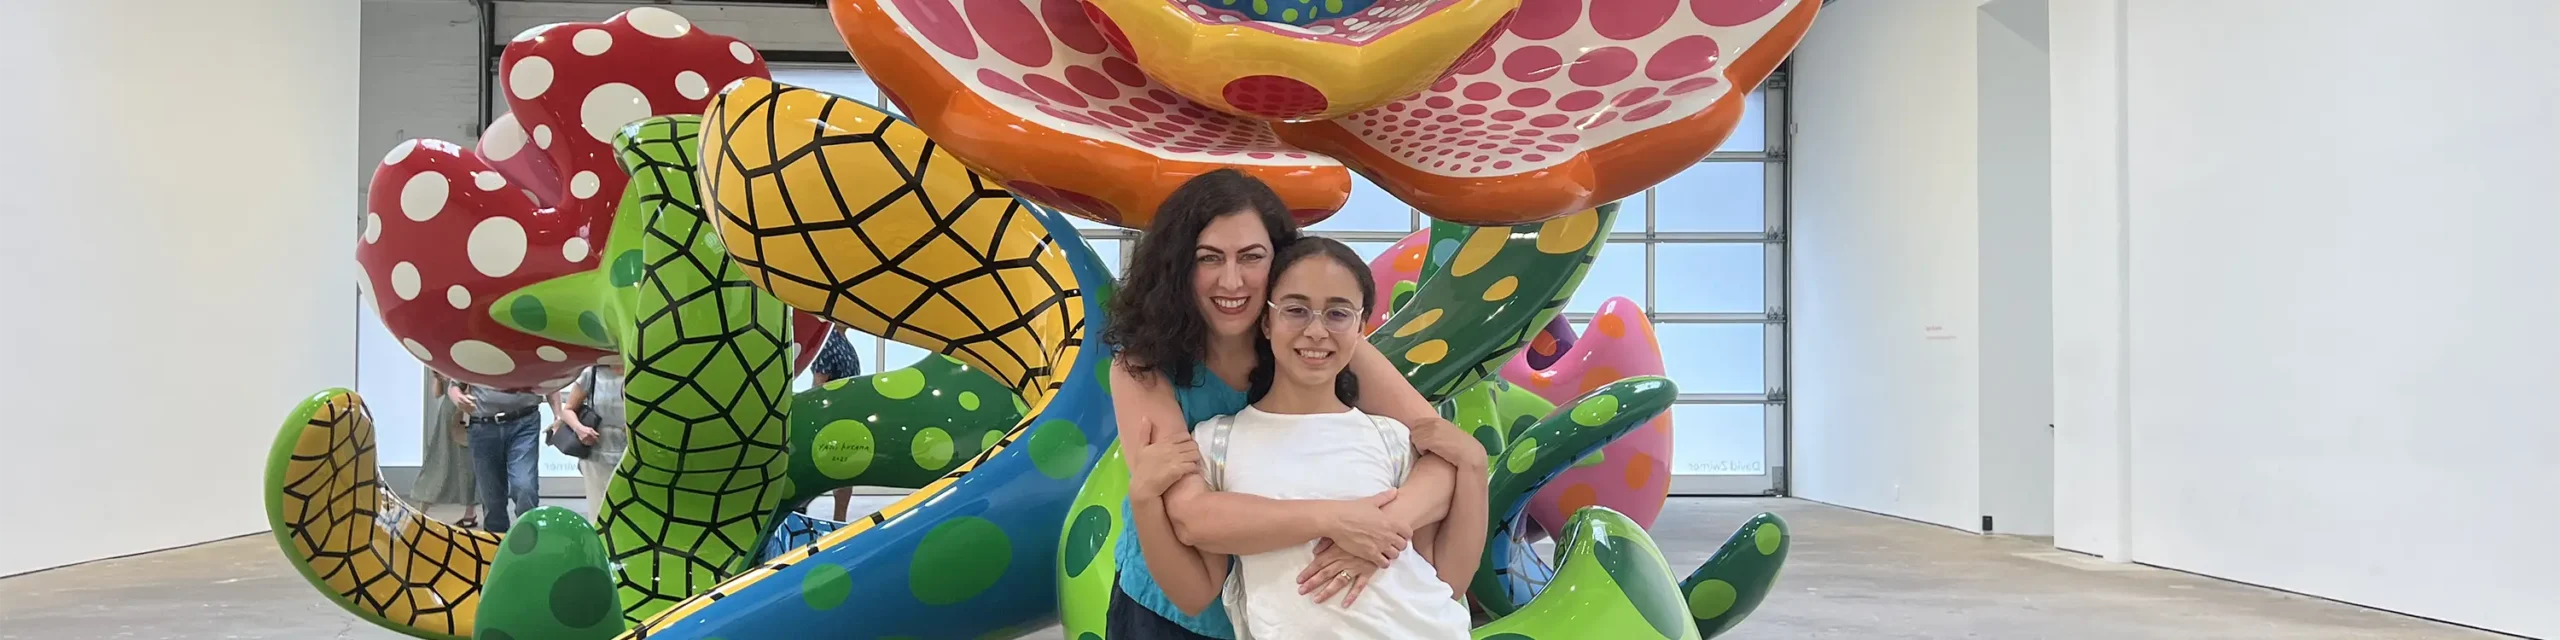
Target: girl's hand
x=1154, y=467
x=1363, y=528
x=1441, y=438
x=1335, y=571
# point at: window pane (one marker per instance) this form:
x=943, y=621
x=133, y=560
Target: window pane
x=1631, y=213
x=1714, y=358
x=1753, y=133
x=1109, y=252
x=845, y=82
x=1618, y=272
x=1719, y=439
x=1713, y=278
x=1712, y=196
x=898, y=355
x=1370, y=209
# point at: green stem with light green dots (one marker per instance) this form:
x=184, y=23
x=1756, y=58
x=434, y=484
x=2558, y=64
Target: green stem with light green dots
x=1539, y=453
x=900, y=428
x=1732, y=582
x=1471, y=315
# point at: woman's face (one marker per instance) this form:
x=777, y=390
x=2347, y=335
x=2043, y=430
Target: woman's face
x=1230, y=268
x=1315, y=312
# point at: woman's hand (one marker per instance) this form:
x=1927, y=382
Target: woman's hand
x=1333, y=571
x=1441, y=438
x=1362, y=528
x=585, y=435
x=1155, y=467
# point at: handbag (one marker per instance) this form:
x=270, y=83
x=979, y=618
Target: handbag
x=567, y=441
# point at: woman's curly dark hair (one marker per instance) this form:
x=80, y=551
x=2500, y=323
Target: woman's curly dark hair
x=1155, y=317
x=1265, y=365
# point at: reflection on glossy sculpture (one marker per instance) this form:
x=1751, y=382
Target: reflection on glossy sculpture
x=1632, y=475
x=654, y=200
x=1471, y=110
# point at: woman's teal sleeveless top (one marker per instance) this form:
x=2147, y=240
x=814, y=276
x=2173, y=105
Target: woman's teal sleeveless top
x=1207, y=397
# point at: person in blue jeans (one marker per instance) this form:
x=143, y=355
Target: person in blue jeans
x=1184, y=323
x=505, y=430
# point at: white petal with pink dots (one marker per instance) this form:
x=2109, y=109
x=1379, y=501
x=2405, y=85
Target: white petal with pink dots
x=1046, y=62
x=1567, y=78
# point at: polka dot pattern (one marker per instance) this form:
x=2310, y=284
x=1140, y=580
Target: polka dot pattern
x=1054, y=67
x=957, y=560
x=1633, y=475
x=1554, y=71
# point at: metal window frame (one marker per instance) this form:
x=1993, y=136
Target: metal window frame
x=1776, y=356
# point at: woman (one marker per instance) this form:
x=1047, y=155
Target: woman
x=1302, y=440
x=601, y=387
x=444, y=477
x=1184, y=324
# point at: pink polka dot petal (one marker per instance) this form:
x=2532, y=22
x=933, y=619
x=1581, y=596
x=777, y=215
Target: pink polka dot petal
x=1692, y=85
x=1532, y=63
x=1648, y=111
x=1052, y=89
x=1634, y=96
x=1729, y=13
x=1632, y=19
x=1543, y=19
x=1124, y=73
x=1577, y=101
x=1066, y=19
x=939, y=22
x=1092, y=83
x=1010, y=29
x=1603, y=66
x=1682, y=58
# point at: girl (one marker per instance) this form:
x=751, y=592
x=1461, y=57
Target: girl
x=1184, y=325
x=1301, y=439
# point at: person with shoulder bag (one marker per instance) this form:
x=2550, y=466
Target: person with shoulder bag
x=594, y=430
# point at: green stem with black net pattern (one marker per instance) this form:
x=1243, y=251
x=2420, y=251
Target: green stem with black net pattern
x=708, y=391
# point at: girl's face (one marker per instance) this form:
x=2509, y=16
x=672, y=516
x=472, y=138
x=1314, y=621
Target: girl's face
x=1229, y=270
x=1315, y=313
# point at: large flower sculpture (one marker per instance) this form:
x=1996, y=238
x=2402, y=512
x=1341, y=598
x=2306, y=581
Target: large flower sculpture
x=1475, y=111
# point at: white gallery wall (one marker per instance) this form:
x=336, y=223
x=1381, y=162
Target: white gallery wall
x=2298, y=283
x=178, y=238
x=1921, y=320
x=2342, y=296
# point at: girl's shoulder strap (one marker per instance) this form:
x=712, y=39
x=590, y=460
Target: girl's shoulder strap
x=1213, y=435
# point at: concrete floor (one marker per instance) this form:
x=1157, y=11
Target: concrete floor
x=1851, y=575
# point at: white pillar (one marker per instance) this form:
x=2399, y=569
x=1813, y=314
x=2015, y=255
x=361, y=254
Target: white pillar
x=178, y=257
x=2093, y=428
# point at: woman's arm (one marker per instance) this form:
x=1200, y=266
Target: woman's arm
x=1460, y=546
x=1384, y=391
x=1213, y=521
x=1190, y=578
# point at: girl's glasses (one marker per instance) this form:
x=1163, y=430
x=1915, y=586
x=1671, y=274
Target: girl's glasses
x=1336, y=319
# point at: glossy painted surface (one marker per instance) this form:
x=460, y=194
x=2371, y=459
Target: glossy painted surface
x=450, y=232
x=1398, y=271
x=1294, y=69
x=1610, y=582
x=552, y=580
x=358, y=543
x=902, y=428
x=1632, y=475
x=1576, y=104
x=1731, y=583
x=1031, y=94
x=1534, y=455
x=968, y=554
x=1499, y=289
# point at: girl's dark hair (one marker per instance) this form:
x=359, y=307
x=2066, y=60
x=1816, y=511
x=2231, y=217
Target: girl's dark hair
x=1155, y=317
x=1265, y=366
